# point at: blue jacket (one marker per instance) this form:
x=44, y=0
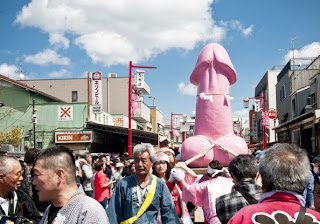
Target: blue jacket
x=124, y=204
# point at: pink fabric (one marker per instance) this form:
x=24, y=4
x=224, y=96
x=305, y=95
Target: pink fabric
x=100, y=192
x=204, y=195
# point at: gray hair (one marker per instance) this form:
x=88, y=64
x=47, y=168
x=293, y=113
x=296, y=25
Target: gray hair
x=285, y=167
x=144, y=147
x=6, y=164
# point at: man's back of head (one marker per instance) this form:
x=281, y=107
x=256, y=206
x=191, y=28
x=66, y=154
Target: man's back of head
x=284, y=167
x=243, y=167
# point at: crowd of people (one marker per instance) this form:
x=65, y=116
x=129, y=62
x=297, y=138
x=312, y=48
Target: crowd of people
x=278, y=185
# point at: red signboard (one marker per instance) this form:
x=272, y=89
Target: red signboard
x=272, y=113
x=73, y=137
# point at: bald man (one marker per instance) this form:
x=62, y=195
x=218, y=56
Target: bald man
x=55, y=180
x=14, y=203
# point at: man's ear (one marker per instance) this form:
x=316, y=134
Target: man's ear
x=60, y=174
x=1, y=178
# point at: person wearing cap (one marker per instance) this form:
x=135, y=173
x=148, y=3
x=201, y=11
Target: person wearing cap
x=205, y=193
x=172, y=156
x=162, y=169
x=118, y=174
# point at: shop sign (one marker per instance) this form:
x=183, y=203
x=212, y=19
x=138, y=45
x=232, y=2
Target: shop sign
x=96, y=92
x=73, y=137
x=65, y=113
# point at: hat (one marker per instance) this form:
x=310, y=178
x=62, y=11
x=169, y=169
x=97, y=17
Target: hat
x=160, y=156
x=316, y=159
x=168, y=150
x=119, y=165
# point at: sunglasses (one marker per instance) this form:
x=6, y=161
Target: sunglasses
x=21, y=172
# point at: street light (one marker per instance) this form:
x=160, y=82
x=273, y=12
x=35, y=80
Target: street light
x=246, y=105
x=129, y=103
x=183, y=136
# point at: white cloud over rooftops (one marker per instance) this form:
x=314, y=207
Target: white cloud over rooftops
x=114, y=32
x=308, y=51
x=46, y=57
x=9, y=71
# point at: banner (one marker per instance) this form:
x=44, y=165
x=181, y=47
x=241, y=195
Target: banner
x=96, y=91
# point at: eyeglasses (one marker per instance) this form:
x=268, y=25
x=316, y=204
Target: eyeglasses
x=21, y=172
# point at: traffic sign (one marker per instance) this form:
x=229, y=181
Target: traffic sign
x=272, y=113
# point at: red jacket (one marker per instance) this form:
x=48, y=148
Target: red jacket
x=101, y=192
x=279, y=208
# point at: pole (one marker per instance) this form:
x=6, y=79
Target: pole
x=88, y=83
x=264, y=127
x=129, y=103
x=129, y=112
x=34, y=123
x=171, y=135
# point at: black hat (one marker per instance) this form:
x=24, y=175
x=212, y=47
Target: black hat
x=316, y=159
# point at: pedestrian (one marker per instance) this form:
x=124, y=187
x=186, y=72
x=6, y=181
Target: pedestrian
x=14, y=203
x=243, y=170
x=284, y=170
x=55, y=180
x=316, y=193
x=139, y=197
x=102, y=184
x=162, y=169
x=205, y=193
x=87, y=174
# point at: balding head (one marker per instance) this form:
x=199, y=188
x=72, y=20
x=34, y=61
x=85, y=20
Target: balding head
x=285, y=167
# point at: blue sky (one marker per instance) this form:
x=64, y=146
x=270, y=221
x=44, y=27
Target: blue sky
x=64, y=39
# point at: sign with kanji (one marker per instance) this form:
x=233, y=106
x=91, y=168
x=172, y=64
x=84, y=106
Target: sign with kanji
x=272, y=114
x=65, y=113
x=257, y=107
x=96, y=90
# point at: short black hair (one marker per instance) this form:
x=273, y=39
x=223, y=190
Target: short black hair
x=57, y=157
x=243, y=166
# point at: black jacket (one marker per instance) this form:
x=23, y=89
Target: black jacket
x=25, y=209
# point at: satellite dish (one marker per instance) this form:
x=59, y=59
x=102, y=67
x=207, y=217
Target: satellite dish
x=21, y=76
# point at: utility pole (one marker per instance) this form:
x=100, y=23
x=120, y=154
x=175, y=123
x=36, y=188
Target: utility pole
x=34, y=121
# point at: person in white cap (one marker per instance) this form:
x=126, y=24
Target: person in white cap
x=117, y=175
x=205, y=193
x=172, y=156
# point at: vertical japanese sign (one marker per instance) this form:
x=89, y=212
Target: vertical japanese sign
x=96, y=92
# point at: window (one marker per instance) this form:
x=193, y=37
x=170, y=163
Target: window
x=294, y=112
x=312, y=98
x=283, y=93
x=74, y=96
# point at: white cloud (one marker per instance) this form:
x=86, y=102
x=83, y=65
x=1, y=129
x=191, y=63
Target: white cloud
x=187, y=89
x=310, y=50
x=46, y=57
x=58, y=40
x=236, y=25
x=243, y=115
x=9, y=71
x=115, y=32
x=63, y=73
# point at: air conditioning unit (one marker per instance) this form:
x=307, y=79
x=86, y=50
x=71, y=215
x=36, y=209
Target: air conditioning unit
x=112, y=75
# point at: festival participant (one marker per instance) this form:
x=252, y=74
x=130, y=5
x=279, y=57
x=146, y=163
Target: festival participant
x=87, y=175
x=172, y=156
x=243, y=170
x=101, y=184
x=138, y=197
x=205, y=193
x=284, y=169
x=14, y=203
x=55, y=180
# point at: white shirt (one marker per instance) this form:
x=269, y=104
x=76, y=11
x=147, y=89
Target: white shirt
x=4, y=203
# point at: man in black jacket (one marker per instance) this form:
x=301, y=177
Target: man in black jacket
x=14, y=203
